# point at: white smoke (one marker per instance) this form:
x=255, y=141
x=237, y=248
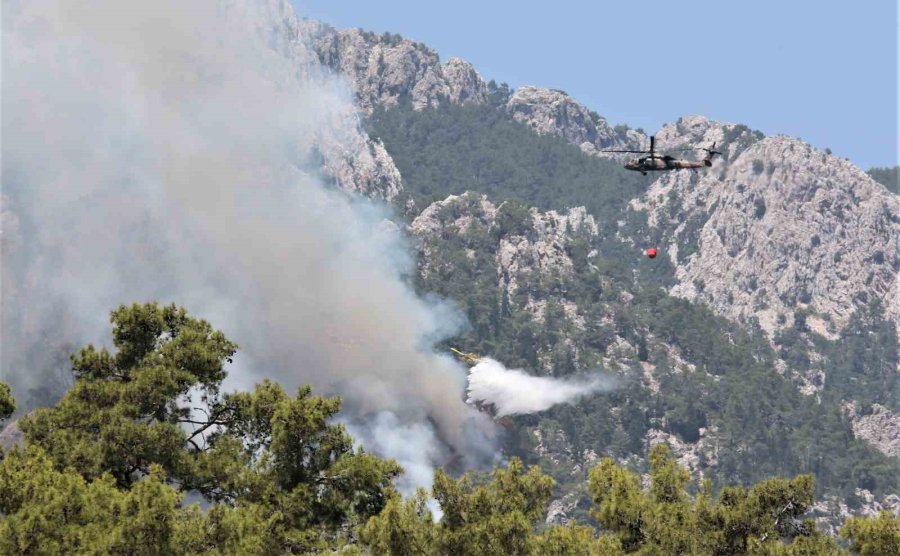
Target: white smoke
x=413, y=445
x=513, y=391
x=162, y=151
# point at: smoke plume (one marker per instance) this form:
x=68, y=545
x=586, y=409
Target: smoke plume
x=513, y=391
x=165, y=151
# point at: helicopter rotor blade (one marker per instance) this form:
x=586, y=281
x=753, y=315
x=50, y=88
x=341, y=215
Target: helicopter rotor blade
x=619, y=151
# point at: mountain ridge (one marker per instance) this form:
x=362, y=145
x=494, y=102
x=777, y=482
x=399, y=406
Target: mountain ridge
x=385, y=70
x=708, y=233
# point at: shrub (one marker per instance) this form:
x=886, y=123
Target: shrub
x=759, y=207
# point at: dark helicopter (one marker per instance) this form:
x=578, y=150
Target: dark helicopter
x=660, y=163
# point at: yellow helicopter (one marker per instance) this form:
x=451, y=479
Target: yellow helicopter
x=470, y=358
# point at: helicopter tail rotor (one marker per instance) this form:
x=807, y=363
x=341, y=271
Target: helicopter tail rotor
x=711, y=152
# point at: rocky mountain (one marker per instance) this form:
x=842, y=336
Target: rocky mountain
x=385, y=69
x=550, y=111
x=763, y=342
x=539, y=297
x=541, y=248
x=776, y=227
x=727, y=250
x=344, y=153
x=776, y=235
x=879, y=426
x=360, y=164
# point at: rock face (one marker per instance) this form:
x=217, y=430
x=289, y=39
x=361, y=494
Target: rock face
x=558, y=511
x=880, y=428
x=464, y=84
x=695, y=457
x=359, y=164
x=451, y=216
x=830, y=513
x=11, y=436
x=541, y=249
x=383, y=69
x=774, y=227
x=549, y=111
x=545, y=250
x=344, y=152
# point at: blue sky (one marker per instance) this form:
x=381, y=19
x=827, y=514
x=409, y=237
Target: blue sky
x=823, y=71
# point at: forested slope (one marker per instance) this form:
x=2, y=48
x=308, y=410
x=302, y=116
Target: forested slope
x=734, y=399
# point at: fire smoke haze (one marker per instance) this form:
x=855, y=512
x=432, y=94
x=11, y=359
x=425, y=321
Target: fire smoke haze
x=161, y=151
x=513, y=391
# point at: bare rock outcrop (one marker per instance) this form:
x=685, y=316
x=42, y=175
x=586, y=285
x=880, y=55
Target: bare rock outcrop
x=545, y=250
x=464, y=84
x=696, y=457
x=342, y=151
x=383, y=69
x=359, y=164
x=541, y=249
x=550, y=111
x=831, y=512
x=560, y=509
x=775, y=227
x=11, y=436
x=880, y=427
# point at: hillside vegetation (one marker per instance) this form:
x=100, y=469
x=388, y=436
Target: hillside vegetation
x=106, y=471
x=452, y=149
x=733, y=399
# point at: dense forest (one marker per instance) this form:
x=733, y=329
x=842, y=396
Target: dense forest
x=107, y=470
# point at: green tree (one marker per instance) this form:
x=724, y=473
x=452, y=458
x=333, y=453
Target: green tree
x=151, y=416
x=106, y=471
x=500, y=516
x=404, y=527
x=47, y=511
x=664, y=519
x=871, y=536
x=7, y=402
x=493, y=518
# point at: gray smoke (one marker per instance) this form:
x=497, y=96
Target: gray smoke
x=163, y=151
x=513, y=391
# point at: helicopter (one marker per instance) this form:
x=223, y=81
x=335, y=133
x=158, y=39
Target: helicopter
x=465, y=357
x=661, y=163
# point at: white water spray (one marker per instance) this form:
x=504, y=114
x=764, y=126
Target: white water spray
x=513, y=391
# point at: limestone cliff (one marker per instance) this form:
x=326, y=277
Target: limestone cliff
x=385, y=69
x=343, y=152
x=540, y=248
x=774, y=227
x=550, y=111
